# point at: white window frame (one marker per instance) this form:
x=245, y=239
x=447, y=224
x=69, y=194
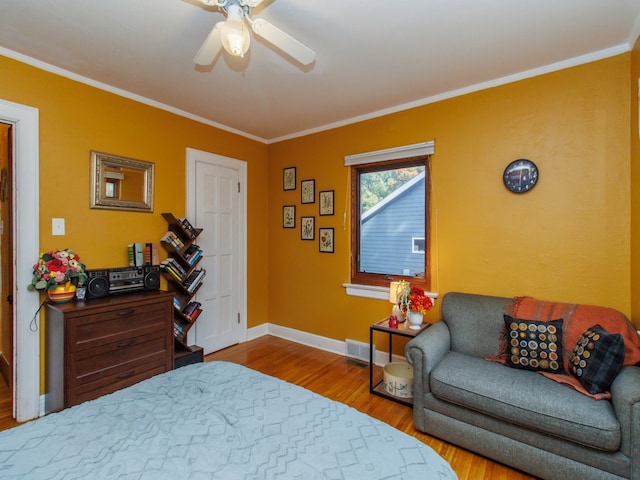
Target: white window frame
x=405, y=151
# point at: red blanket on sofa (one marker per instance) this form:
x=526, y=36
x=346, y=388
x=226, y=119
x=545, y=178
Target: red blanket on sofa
x=577, y=318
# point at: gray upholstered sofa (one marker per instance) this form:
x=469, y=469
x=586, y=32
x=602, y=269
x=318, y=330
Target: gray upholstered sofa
x=517, y=417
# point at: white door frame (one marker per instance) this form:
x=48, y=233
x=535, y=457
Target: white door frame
x=26, y=247
x=192, y=157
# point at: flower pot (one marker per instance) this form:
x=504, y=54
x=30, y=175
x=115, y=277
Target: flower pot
x=63, y=293
x=415, y=320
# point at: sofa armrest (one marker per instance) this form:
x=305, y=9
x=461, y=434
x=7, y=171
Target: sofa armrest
x=424, y=352
x=625, y=399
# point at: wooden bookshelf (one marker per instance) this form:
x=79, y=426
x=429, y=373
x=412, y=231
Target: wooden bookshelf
x=184, y=277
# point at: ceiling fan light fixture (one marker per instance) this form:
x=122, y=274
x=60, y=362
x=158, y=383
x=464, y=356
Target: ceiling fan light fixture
x=235, y=34
x=235, y=37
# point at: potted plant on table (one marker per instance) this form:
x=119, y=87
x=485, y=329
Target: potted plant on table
x=414, y=302
x=59, y=272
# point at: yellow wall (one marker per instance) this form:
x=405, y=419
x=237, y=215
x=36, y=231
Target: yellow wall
x=75, y=119
x=567, y=240
x=634, y=134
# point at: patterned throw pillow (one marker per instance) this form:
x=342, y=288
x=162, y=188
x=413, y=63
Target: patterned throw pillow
x=597, y=358
x=533, y=345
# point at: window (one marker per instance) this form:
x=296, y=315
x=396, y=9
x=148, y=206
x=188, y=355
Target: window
x=417, y=245
x=389, y=211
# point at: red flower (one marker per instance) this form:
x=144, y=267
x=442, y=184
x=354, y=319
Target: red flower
x=418, y=301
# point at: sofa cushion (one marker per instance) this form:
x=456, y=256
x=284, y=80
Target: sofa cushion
x=597, y=358
x=534, y=345
x=474, y=321
x=577, y=318
x=525, y=398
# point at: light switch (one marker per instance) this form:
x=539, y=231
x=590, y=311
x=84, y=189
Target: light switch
x=57, y=226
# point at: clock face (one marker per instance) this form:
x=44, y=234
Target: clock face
x=520, y=176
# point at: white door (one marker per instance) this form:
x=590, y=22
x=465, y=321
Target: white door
x=216, y=201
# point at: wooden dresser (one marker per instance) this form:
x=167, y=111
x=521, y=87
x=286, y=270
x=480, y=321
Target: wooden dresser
x=101, y=345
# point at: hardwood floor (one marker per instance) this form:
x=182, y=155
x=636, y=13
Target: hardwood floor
x=340, y=379
x=336, y=377
x=6, y=407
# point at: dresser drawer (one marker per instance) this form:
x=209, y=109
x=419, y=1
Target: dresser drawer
x=105, y=344
x=115, y=358
x=112, y=383
x=119, y=325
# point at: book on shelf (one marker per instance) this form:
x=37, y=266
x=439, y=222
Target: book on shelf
x=191, y=250
x=178, y=331
x=173, y=263
x=193, y=280
x=169, y=268
x=173, y=240
x=190, y=308
x=194, y=258
x=188, y=227
x=195, y=314
x=192, y=254
x=168, y=238
x=177, y=303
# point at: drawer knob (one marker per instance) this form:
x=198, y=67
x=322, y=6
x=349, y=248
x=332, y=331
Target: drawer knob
x=123, y=313
x=124, y=375
x=124, y=344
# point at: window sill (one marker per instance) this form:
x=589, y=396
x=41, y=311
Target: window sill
x=378, y=293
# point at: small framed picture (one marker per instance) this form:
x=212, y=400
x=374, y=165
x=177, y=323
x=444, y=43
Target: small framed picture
x=289, y=216
x=325, y=237
x=289, y=178
x=308, y=191
x=325, y=199
x=307, y=228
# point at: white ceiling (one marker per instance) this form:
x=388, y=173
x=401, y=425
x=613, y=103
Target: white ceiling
x=372, y=57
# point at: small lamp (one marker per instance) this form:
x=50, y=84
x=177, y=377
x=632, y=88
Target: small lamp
x=396, y=311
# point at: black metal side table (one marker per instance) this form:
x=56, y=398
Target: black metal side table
x=403, y=330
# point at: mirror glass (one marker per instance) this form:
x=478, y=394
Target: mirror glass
x=120, y=183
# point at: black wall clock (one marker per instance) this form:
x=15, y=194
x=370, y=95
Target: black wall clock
x=520, y=176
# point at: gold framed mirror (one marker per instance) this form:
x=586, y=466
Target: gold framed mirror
x=120, y=183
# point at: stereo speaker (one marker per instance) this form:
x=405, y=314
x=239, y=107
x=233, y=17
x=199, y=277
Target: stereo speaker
x=97, y=283
x=152, y=277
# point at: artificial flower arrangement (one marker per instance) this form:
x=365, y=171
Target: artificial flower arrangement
x=59, y=267
x=413, y=298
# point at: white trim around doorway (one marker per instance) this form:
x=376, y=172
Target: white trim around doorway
x=26, y=324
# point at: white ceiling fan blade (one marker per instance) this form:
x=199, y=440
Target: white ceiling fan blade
x=283, y=41
x=211, y=46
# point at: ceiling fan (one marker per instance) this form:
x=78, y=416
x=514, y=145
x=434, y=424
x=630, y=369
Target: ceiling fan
x=233, y=34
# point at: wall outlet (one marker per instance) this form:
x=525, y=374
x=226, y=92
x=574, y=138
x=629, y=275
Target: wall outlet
x=57, y=226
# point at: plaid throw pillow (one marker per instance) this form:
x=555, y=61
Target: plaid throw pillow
x=534, y=345
x=597, y=358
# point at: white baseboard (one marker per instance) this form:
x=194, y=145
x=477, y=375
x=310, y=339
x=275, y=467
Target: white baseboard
x=316, y=341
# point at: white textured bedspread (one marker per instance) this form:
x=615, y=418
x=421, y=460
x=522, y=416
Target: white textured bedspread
x=214, y=420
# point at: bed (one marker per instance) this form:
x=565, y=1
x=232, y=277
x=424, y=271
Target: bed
x=214, y=420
